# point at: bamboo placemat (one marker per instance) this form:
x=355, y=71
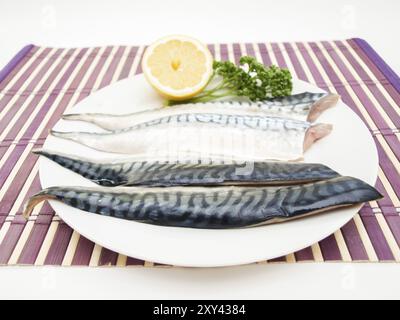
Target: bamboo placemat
x=39, y=84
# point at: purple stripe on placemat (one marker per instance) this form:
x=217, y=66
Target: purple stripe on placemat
x=385, y=132
x=224, y=52
x=140, y=68
x=9, y=165
x=110, y=73
x=34, y=188
x=134, y=262
x=2, y=219
x=45, y=217
x=334, y=79
x=31, y=86
x=6, y=207
x=212, y=50
x=108, y=258
x=377, y=237
x=128, y=63
x=34, y=104
x=394, y=225
x=388, y=167
x=250, y=49
x=366, y=211
x=66, y=99
x=264, y=54
x=379, y=62
x=276, y=260
x=388, y=211
x=319, y=80
x=367, y=103
x=93, y=77
x=31, y=250
x=394, y=144
x=10, y=241
x=296, y=63
x=330, y=249
x=59, y=245
x=386, y=201
x=369, y=82
x=354, y=242
x=4, y=145
x=111, y=69
x=18, y=183
x=46, y=209
x=15, y=61
x=13, y=74
x=6, y=170
x=12, y=193
x=375, y=70
x=49, y=103
x=304, y=255
x=19, y=219
x=325, y=64
x=279, y=56
x=83, y=252
x=237, y=53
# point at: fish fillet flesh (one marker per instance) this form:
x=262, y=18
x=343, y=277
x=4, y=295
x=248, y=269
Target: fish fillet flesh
x=257, y=137
x=212, y=207
x=302, y=107
x=164, y=173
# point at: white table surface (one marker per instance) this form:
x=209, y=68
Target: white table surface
x=94, y=22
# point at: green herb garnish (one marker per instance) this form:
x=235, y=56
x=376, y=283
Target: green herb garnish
x=250, y=80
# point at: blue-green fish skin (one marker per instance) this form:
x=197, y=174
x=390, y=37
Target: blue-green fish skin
x=164, y=173
x=212, y=207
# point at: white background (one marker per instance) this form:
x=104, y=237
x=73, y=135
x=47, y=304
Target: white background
x=95, y=22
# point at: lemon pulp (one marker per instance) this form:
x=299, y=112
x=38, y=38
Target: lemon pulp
x=178, y=67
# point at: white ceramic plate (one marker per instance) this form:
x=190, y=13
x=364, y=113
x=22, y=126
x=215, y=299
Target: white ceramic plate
x=350, y=150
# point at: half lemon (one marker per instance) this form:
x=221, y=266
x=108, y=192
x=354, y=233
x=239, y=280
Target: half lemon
x=178, y=67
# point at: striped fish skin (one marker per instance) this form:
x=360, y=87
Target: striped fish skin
x=212, y=207
x=258, y=137
x=296, y=99
x=302, y=107
x=164, y=173
x=237, y=121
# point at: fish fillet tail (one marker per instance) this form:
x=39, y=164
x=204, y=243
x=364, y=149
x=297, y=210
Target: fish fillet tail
x=102, y=174
x=42, y=152
x=64, y=135
x=85, y=138
x=104, y=121
x=37, y=199
x=86, y=117
x=322, y=105
x=62, y=160
x=72, y=164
